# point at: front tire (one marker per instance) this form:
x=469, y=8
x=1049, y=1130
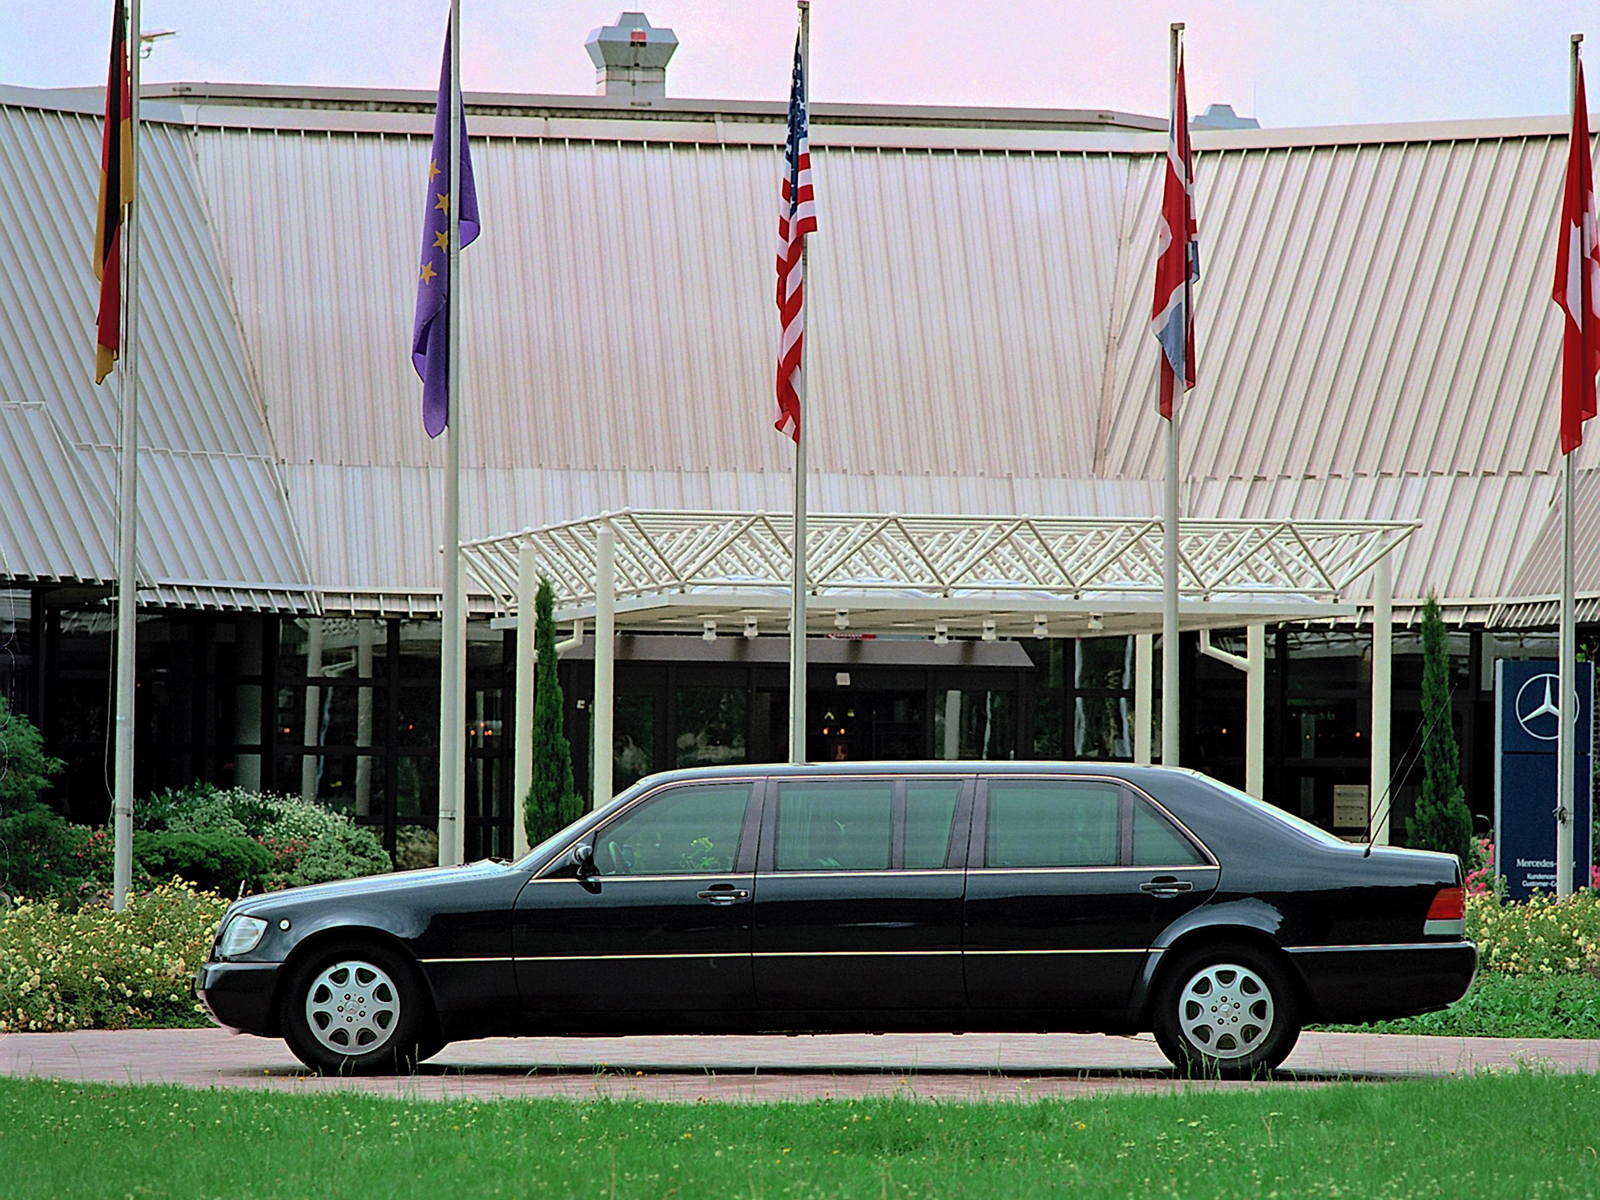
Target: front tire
x=1229, y=1012
x=355, y=1009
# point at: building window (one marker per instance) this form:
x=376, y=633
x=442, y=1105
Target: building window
x=711, y=725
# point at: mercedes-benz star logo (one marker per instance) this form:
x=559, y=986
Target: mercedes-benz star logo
x=1537, y=710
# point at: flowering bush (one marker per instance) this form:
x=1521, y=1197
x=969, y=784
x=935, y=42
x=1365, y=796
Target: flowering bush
x=98, y=969
x=1544, y=936
x=346, y=853
x=1481, y=879
x=308, y=842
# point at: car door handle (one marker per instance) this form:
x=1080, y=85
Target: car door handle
x=1167, y=887
x=724, y=894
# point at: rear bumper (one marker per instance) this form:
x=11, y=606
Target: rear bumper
x=1350, y=984
x=239, y=996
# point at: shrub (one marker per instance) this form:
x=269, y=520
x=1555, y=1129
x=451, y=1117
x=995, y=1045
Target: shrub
x=155, y=811
x=301, y=841
x=210, y=813
x=217, y=862
x=350, y=851
x=552, y=802
x=43, y=854
x=25, y=769
x=1543, y=936
x=98, y=969
x=415, y=846
x=1441, y=820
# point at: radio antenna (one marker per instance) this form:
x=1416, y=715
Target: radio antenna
x=1375, y=826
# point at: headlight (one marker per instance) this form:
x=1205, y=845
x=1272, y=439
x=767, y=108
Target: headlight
x=242, y=935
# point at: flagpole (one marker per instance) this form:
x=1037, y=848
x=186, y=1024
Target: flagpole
x=452, y=763
x=797, y=584
x=1169, y=527
x=1568, y=665
x=127, y=516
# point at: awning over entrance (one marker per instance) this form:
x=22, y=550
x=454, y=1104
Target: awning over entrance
x=943, y=577
x=994, y=576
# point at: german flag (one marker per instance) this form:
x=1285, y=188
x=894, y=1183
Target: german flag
x=116, y=193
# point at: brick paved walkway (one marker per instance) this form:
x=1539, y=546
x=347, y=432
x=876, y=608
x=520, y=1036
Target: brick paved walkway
x=976, y=1066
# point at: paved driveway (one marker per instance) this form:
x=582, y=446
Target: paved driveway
x=974, y=1066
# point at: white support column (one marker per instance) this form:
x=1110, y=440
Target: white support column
x=1379, y=802
x=1255, y=710
x=951, y=749
x=1144, y=690
x=605, y=629
x=522, y=745
x=1254, y=666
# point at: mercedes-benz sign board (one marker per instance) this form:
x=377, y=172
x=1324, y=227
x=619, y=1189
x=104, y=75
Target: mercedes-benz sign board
x=1529, y=711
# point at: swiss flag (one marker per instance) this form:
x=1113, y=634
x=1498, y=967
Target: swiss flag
x=1577, y=289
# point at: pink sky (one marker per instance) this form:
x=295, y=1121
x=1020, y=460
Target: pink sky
x=1291, y=63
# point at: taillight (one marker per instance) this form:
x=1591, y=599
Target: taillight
x=1450, y=904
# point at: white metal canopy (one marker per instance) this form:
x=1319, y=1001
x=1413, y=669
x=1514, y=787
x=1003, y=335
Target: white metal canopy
x=654, y=570
x=1004, y=575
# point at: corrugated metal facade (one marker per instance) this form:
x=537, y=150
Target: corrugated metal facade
x=215, y=525
x=1376, y=336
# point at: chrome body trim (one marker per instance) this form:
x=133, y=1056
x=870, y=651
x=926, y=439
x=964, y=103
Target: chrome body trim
x=1459, y=945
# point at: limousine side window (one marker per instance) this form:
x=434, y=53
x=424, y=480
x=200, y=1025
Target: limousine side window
x=1158, y=843
x=834, y=826
x=930, y=810
x=1053, y=823
x=691, y=830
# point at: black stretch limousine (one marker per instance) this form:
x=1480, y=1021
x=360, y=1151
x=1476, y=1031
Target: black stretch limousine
x=932, y=897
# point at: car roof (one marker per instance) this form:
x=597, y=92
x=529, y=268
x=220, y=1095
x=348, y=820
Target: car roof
x=942, y=767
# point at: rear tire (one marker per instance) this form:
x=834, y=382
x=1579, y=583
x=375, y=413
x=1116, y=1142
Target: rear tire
x=1226, y=1011
x=356, y=1008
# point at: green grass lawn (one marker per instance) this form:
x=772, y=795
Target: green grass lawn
x=1558, y=1006
x=1515, y=1135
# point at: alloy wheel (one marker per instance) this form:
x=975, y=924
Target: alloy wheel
x=1225, y=1011
x=352, y=1007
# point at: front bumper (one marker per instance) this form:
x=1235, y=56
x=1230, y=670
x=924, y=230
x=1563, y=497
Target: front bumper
x=1355, y=984
x=240, y=996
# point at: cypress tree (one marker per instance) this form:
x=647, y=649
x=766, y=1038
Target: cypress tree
x=1440, y=820
x=552, y=802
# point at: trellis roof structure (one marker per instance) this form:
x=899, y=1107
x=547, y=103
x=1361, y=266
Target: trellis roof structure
x=984, y=575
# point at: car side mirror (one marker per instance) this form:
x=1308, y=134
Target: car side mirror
x=583, y=859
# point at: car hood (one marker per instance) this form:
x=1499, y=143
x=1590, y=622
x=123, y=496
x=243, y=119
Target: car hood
x=367, y=887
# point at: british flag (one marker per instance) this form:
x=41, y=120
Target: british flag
x=797, y=216
x=1177, y=257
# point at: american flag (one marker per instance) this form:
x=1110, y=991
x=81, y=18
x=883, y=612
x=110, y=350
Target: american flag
x=1577, y=287
x=797, y=216
x=1177, y=257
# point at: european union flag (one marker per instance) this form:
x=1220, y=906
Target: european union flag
x=430, y=337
